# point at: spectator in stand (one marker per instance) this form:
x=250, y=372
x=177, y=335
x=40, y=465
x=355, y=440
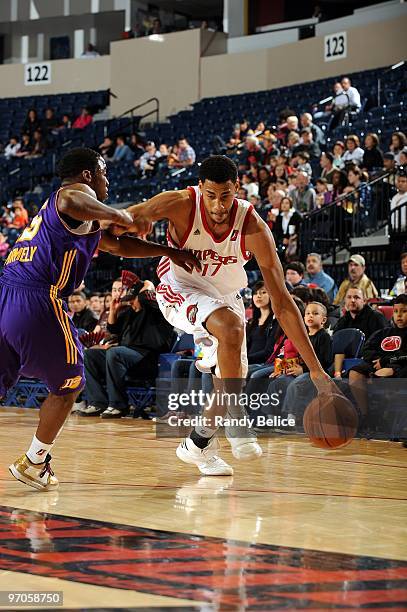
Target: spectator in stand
x=31, y=122
x=348, y=100
x=244, y=127
x=258, y=328
x=20, y=216
x=84, y=119
x=398, y=142
x=252, y=153
x=373, y=156
x=358, y=315
x=339, y=183
x=324, y=196
x=337, y=152
x=65, y=122
x=49, y=124
x=403, y=157
x=353, y=154
x=357, y=278
x=317, y=276
x=264, y=181
x=122, y=152
x=242, y=193
x=149, y=159
x=303, y=164
x=270, y=147
x=286, y=228
x=360, y=201
x=337, y=101
x=399, y=286
x=294, y=274
x=384, y=355
x=186, y=155
x=4, y=246
x=398, y=206
x=82, y=316
x=293, y=141
x=290, y=125
x=250, y=185
x=26, y=146
x=157, y=27
x=307, y=144
x=96, y=304
x=116, y=294
x=143, y=334
x=107, y=148
x=326, y=163
x=12, y=148
x=317, y=134
x=90, y=52
x=303, y=195
x=136, y=146
x=389, y=165
x=279, y=171
x=39, y=145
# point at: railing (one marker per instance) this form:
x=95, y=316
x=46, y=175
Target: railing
x=137, y=118
x=398, y=220
x=359, y=212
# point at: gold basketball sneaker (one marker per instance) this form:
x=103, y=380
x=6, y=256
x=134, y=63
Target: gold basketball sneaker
x=40, y=476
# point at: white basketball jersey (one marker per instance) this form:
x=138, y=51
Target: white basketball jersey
x=222, y=259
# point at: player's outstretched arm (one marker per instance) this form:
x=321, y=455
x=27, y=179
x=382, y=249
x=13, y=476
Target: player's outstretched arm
x=79, y=203
x=170, y=205
x=260, y=242
x=135, y=247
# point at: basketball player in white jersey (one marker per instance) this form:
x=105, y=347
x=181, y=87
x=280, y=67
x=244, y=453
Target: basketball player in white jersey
x=223, y=232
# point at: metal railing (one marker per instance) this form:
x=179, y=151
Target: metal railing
x=357, y=213
x=135, y=119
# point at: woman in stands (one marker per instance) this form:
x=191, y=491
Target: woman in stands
x=258, y=327
x=398, y=142
x=337, y=152
x=354, y=153
x=373, y=156
x=286, y=228
x=31, y=122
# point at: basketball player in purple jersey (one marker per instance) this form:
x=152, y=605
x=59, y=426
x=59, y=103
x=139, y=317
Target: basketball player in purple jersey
x=49, y=260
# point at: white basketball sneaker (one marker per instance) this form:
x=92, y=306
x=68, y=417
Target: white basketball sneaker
x=205, y=459
x=244, y=448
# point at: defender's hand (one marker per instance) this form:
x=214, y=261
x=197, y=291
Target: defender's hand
x=185, y=260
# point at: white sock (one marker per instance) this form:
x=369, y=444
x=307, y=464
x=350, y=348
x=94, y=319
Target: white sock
x=38, y=450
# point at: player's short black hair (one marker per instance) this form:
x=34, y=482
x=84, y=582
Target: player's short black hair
x=76, y=161
x=219, y=169
x=400, y=299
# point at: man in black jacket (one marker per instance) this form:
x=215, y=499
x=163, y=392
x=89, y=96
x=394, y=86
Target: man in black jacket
x=360, y=315
x=83, y=317
x=143, y=334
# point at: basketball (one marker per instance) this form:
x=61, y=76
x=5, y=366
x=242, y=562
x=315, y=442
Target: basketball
x=330, y=421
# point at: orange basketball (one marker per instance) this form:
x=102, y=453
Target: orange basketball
x=330, y=421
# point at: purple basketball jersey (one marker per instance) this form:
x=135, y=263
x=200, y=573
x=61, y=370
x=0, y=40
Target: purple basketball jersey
x=49, y=255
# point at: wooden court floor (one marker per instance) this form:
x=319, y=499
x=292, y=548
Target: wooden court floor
x=133, y=528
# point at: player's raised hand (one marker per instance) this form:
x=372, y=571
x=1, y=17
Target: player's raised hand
x=185, y=260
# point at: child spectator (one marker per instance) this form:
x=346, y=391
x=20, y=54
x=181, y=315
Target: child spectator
x=296, y=383
x=324, y=196
x=303, y=164
x=384, y=355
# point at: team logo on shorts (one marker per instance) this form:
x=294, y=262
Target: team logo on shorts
x=392, y=343
x=71, y=383
x=192, y=311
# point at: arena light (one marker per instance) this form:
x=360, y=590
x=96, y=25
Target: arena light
x=398, y=65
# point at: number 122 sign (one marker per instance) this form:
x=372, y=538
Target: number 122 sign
x=335, y=47
x=37, y=74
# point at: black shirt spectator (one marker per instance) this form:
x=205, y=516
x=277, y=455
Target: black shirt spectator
x=367, y=320
x=83, y=317
x=322, y=345
x=373, y=156
x=31, y=122
x=146, y=330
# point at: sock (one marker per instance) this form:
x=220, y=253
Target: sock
x=201, y=436
x=38, y=450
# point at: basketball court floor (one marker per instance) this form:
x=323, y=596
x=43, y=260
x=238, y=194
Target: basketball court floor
x=133, y=528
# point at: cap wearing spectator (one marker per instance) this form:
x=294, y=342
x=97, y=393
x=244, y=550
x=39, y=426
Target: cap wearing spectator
x=356, y=278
